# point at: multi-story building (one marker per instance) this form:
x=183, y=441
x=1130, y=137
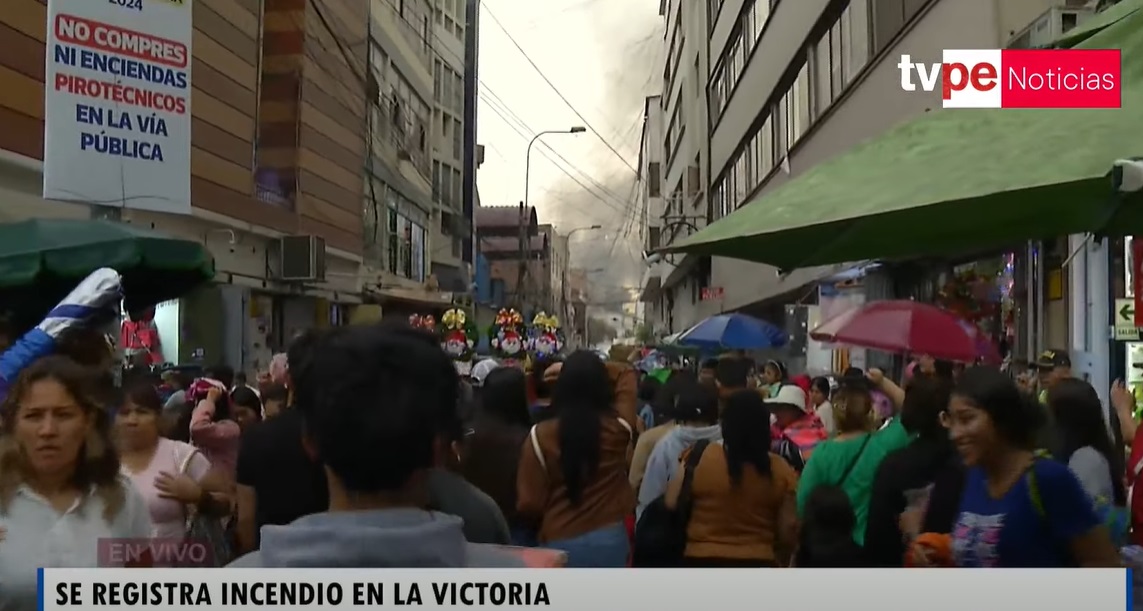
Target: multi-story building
x=401, y=216
x=683, y=157
x=653, y=207
x=527, y=260
x=451, y=224
x=272, y=73
x=793, y=83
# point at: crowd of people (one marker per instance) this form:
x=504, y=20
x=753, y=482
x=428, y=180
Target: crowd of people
x=363, y=447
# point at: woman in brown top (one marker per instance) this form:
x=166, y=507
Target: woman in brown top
x=573, y=468
x=743, y=512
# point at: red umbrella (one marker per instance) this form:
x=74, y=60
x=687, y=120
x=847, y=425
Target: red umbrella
x=908, y=326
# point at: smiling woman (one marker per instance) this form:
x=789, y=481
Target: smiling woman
x=60, y=489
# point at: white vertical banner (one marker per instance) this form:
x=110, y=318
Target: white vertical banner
x=117, y=107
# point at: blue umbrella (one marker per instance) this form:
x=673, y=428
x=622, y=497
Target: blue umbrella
x=733, y=332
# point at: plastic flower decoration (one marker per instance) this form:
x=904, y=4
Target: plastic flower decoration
x=458, y=336
x=507, y=335
x=545, y=338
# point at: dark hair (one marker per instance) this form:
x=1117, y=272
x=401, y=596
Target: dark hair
x=222, y=373
x=926, y=398
x=240, y=378
x=664, y=403
x=711, y=364
x=821, y=384
x=746, y=434
x=541, y=387
x=372, y=399
x=275, y=392
x=582, y=394
x=943, y=369
x=1016, y=416
x=144, y=395
x=504, y=397
x=97, y=466
x=826, y=539
x=853, y=409
x=829, y=512
x=1078, y=416
x=649, y=389
x=697, y=403
x=246, y=397
x=779, y=366
x=732, y=372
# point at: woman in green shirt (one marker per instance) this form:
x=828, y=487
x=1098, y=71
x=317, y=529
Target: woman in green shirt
x=850, y=460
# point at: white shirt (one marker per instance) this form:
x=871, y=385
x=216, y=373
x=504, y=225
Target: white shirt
x=39, y=536
x=824, y=413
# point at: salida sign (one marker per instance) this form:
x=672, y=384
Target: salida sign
x=1019, y=78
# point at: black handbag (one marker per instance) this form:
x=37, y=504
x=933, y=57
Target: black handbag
x=661, y=533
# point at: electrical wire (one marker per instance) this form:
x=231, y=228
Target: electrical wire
x=571, y=106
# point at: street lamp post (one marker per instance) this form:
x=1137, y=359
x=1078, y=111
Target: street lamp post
x=577, y=129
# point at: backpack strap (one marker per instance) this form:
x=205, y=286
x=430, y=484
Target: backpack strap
x=536, y=448
x=686, y=498
x=854, y=461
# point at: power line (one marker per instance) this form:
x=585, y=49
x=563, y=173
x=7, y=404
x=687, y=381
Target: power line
x=556, y=89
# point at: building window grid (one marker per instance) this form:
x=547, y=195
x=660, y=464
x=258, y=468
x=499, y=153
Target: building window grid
x=733, y=62
x=832, y=64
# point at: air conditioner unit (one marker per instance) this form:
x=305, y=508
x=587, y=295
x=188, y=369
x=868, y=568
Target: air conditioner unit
x=1049, y=26
x=301, y=258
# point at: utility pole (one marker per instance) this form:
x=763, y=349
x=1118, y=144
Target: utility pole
x=522, y=269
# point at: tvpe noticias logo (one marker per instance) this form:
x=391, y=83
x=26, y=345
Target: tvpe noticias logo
x=1019, y=78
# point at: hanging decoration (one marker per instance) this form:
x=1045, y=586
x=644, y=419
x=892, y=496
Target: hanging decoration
x=458, y=335
x=545, y=338
x=507, y=334
x=424, y=322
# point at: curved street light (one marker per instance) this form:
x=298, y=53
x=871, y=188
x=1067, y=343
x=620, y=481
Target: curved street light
x=576, y=129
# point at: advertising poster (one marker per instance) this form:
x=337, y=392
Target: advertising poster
x=117, y=115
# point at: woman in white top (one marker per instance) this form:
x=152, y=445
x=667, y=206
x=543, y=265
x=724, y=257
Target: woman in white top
x=820, y=389
x=60, y=488
x=171, y=475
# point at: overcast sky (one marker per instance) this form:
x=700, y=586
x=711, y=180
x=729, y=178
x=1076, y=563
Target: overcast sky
x=601, y=55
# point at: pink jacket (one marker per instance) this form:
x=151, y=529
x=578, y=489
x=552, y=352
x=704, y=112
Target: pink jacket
x=218, y=441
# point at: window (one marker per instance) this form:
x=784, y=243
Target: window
x=823, y=92
x=888, y=21
x=837, y=53
x=654, y=188
x=781, y=130
x=457, y=139
x=445, y=97
x=446, y=187
x=766, y=145
x=438, y=16
x=426, y=34
x=457, y=188
x=458, y=92
x=438, y=74
x=858, y=40
x=800, y=99
x=436, y=181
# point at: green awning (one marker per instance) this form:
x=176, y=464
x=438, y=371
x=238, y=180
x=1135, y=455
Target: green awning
x=1097, y=23
x=950, y=181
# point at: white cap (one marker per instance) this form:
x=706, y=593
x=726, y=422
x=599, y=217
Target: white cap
x=482, y=369
x=790, y=394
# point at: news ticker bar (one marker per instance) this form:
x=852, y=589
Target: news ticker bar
x=579, y=589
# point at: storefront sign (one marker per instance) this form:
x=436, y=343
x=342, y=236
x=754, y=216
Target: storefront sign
x=1125, y=328
x=117, y=116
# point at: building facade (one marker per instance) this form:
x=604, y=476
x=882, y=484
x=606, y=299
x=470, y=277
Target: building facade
x=791, y=84
x=401, y=213
x=450, y=31
x=683, y=169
